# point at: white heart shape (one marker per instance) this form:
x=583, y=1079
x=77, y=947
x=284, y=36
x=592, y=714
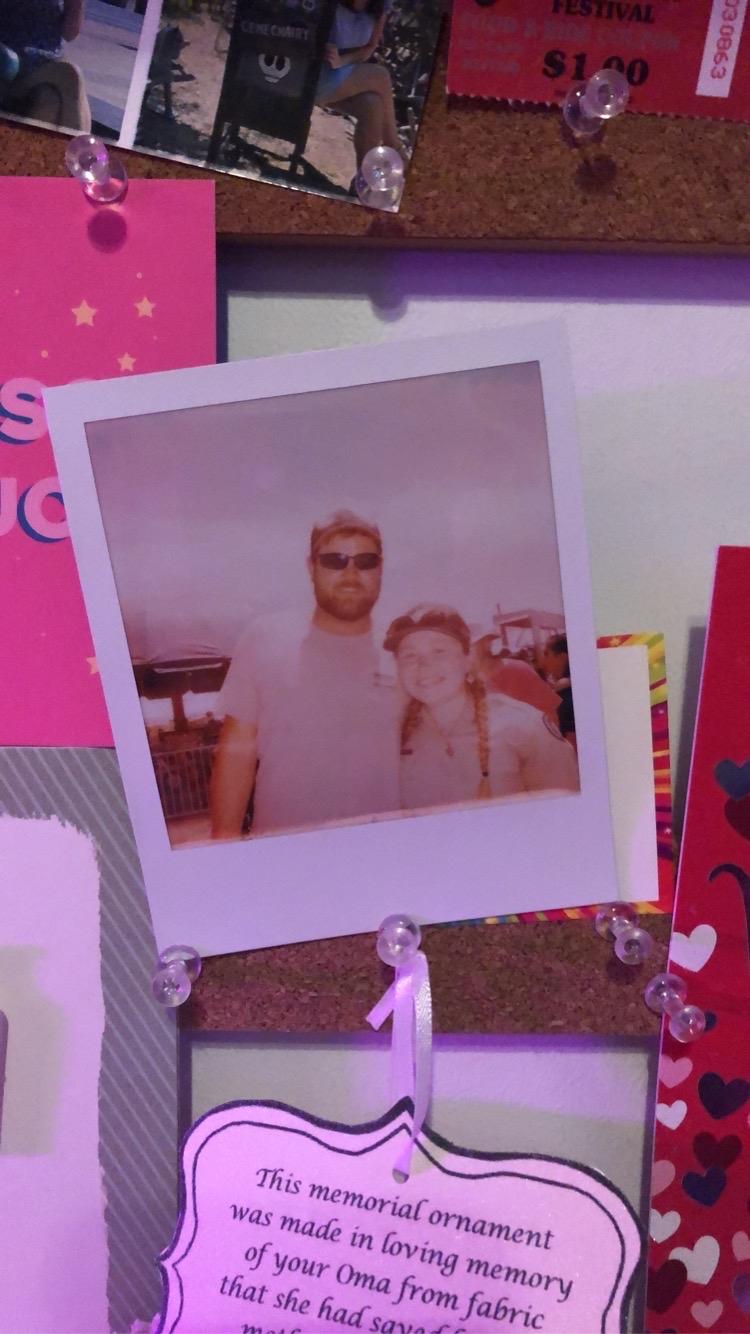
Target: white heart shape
x=673, y=1072
x=671, y=1114
x=694, y=951
x=701, y=1261
x=663, y=1226
x=706, y=1313
x=741, y=1246
x=662, y=1175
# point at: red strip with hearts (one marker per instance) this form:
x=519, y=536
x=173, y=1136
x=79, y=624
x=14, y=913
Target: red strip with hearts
x=699, y=1228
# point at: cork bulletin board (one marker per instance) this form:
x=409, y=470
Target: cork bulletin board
x=548, y=977
x=482, y=177
x=486, y=176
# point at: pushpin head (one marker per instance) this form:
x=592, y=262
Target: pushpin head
x=380, y=181
x=179, y=966
x=398, y=940
x=605, y=95
x=665, y=993
x=633, y=946
x=171, y=985
x=588, y=106
x=614, y=918
x=619, y=922
x=184, y=954
x=104, y=179
x=687, y=1024
x=581, y=125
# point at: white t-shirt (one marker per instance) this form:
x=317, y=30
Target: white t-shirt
x=327, y=723
x=527, y=754
x=351, y=29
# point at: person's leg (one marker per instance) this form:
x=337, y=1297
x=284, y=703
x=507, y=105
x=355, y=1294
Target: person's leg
x=370, y=78
x=36, y=98
x=76, y=110
x=385, y=89
x=55, y=94
x=367, y=111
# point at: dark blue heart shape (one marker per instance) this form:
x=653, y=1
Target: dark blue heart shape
x=720, y=1099
x=710, y=1020
x=705, y=1188
x=734, y=779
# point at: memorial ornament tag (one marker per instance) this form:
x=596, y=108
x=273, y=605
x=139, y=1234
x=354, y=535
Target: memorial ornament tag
x=292, y=1225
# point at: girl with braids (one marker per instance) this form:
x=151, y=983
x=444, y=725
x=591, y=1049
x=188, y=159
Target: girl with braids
x=458, y=743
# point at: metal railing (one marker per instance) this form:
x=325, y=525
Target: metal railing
x=183, y=775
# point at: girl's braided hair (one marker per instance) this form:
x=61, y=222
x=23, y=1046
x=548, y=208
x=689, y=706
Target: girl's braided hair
x=445, y=620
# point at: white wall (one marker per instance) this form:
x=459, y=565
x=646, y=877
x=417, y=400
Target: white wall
x=661, y=354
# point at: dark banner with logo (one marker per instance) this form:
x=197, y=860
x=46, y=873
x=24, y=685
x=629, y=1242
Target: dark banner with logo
x=275, y=54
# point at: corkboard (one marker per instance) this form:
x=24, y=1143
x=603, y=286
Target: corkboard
x=482, y=177
x=546, y=977
x=485, y=177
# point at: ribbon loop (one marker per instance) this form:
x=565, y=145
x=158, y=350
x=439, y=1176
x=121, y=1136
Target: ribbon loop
x=409, y=1000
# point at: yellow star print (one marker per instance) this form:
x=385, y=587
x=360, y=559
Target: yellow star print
x=126, y=362
x=145, y=307
x=84, y=313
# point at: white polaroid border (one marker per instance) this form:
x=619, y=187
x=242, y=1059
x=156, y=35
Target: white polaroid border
x=139, y=77
x=468, y=863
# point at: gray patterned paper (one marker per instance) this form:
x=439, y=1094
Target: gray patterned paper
x=138, y=1078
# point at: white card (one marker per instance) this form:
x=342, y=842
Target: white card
x=202, y=491
x=292, y=1225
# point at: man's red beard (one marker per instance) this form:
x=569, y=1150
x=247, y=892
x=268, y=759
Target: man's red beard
x=346, y=605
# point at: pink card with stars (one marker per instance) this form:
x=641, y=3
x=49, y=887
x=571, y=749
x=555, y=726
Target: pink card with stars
x=86, y=294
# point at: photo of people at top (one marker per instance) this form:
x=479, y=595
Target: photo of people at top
x=68, y=64
x=311, y=725
x=295, y=92
x=287, y=92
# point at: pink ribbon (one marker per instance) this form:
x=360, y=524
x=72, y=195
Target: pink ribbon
x=409, y=1000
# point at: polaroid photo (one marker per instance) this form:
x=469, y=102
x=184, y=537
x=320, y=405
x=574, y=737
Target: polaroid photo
x=342, y=615
x=79, y=66
x=293, y=92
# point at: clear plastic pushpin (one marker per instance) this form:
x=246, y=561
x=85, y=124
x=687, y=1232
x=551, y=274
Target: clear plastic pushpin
x=666, y=994
x=588, y=106
x=619, y=922
x=103, y=178
x=380, y=180
x=398, y=940
x=178, y=968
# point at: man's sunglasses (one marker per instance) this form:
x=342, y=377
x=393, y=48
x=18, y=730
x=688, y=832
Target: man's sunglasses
x=336, y=560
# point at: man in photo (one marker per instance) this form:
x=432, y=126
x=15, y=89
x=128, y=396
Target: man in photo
x=310, y=726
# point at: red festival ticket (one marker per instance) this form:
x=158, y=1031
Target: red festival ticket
x=680, y=57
